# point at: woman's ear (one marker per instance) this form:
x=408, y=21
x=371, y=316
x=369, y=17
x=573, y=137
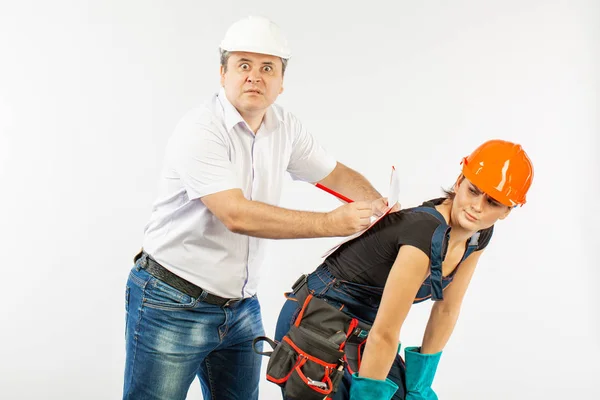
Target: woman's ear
x=459, y=180
x=505, y=214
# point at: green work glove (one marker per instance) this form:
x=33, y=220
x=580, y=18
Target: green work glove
x=371, y=389
x=420, y=371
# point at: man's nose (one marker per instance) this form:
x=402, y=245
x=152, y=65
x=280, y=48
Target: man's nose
x=253, y=77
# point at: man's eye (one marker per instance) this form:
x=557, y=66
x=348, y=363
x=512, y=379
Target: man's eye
x=473, y=191
x=268, y=68
x=245, y=66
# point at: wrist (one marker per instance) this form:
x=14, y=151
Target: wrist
x=324, y=225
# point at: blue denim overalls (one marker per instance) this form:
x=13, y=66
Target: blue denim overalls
x=362, y=301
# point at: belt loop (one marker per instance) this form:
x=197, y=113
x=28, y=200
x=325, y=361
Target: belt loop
x=138, y=260
x=144, y=260
x=300, y=282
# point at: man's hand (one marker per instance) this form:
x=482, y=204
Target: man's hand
x=396, y=207
x=380, y=206
x=350, y=218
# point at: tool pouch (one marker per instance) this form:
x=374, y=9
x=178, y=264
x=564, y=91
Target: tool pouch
x=309, y=361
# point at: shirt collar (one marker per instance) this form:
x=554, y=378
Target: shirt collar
x=232, y=116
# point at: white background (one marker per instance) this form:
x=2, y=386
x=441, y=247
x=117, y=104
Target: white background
x=90, y=92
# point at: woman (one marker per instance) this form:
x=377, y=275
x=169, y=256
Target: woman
x=408, y=257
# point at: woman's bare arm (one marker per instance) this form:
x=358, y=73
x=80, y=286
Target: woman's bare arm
x=408, y=273
x=444, y=314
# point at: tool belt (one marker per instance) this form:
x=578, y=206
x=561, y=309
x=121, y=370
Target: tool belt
x=309, y=361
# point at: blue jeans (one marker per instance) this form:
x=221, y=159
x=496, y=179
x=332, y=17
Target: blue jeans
x=171, y=338
x=359, y=301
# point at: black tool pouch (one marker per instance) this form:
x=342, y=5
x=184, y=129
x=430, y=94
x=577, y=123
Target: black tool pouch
x=309, y=361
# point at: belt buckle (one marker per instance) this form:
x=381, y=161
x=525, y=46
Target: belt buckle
x=360, y=333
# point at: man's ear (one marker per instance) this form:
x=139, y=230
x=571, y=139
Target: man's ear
x=222, y=73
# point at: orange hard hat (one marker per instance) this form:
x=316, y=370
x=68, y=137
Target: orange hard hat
x=501, y=169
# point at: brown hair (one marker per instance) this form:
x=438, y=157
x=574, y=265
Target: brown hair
x=449, y=193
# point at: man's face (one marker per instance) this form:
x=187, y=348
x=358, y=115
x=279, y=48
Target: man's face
x=252, y=81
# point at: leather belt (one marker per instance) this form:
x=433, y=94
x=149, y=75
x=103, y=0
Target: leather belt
x=150, y=265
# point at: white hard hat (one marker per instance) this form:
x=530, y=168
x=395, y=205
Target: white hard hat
x=256, y=35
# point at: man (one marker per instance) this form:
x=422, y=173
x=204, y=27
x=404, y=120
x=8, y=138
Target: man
x=191, y=296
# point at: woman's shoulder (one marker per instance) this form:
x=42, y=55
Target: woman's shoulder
x=485, y=235
x=412, y=220
x=426, y=213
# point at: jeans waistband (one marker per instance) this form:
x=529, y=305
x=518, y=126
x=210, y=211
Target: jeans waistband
x=151, y=266
x=357, y=300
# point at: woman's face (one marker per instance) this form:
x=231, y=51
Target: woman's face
x=474, y=210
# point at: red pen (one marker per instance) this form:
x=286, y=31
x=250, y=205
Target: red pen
x=339, y=195
x=333, y=192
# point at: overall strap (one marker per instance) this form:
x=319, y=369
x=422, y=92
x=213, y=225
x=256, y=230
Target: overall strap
x=473, y=243
x=439, y=241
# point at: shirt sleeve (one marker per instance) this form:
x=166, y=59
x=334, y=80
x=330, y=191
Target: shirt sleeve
x=418, y=232
x=201, y=159
x=308, y=161
x=484, y=237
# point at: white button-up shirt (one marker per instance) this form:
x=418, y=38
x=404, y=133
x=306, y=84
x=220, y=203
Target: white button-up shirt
x=212, y=150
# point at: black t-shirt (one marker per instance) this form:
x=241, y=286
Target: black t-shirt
x=368, y=259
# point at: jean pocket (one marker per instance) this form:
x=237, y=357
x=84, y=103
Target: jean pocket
x=354, y=294
x=159, y=295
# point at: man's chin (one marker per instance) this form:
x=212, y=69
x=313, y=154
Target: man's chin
x=253, y=105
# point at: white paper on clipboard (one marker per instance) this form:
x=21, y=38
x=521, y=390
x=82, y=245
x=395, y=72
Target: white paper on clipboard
x=393, y=197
